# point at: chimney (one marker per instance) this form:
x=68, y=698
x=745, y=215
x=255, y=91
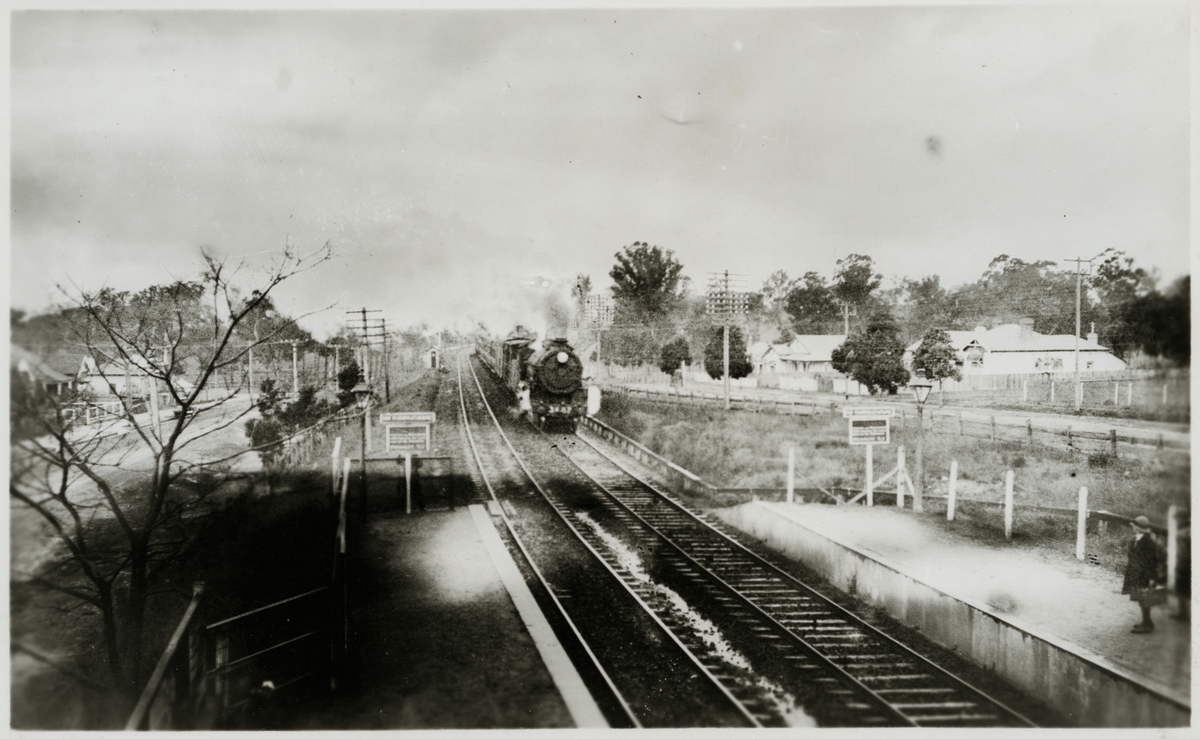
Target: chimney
x=1092, y=337
x=1026, y=328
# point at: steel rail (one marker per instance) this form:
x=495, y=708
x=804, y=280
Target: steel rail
x=793, y=581
x=880, y=701
x=737, y=704
x=625, y=707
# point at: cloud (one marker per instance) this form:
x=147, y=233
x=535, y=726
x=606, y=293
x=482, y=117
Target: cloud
x=450, y=155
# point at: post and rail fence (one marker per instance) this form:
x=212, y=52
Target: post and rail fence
x=1032, y=431
x=209, y=670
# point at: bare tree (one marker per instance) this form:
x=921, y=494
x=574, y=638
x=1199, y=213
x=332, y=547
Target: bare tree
x=179, y=338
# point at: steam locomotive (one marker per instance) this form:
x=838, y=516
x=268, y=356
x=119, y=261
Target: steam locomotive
x=553, y=376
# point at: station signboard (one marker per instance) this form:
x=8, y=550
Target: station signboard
x=867, y=411
x=870, y=430
x=414, y=437
x=408, y=432
x=408, y=417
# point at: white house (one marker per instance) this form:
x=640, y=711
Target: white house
x=810, y=353
x=39, y=372
x=1017, y=349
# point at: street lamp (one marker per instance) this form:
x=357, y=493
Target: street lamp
x=920, y=389
x=362, y=398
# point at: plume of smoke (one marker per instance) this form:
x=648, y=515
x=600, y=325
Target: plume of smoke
x=557, y=311
x=540, y=304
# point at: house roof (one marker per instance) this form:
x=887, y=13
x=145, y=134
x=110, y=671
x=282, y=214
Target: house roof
x=30, y=363
x=759, y=350
x=810, y=348
x=1008, y=338
x=64, y=362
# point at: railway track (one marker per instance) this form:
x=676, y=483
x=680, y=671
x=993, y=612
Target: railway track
x=780, y=649
x=639, y=675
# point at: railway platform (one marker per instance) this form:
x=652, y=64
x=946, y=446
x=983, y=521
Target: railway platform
x=440, y=638
x=914, y=568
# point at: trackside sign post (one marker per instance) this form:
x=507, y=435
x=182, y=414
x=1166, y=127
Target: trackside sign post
x=411, y=432
x=869, y=431
x=408, y=433
x=869, y=425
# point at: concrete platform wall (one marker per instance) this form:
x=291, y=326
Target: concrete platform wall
x=1063, y=675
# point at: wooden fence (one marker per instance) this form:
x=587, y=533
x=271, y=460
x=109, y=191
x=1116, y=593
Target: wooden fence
x=1034, y=431
x=208, y=671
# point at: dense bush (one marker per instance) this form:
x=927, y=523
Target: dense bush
x=281, y=420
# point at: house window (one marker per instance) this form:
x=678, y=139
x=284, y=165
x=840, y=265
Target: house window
x=1048, y=364
x=1089, y=364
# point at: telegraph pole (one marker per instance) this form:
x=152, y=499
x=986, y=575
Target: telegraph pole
x=387, y=374
x=724, y=304
x=1078, y=296
x=368, y=331
x=295, y=373
x=252, y=363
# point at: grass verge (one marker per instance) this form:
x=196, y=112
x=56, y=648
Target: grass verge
x=747, y=450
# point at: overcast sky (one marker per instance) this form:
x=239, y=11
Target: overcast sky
x=454, y=156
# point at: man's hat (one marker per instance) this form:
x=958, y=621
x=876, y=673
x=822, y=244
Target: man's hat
x=1141, y=523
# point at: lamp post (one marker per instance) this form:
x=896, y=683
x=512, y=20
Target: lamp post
x=920, y=390
x=362, y=398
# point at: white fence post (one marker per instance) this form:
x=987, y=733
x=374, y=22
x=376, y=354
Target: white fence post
x=1172, y=547
x=1116, y=393
x=337, y=452
x=345, y=480
x=900, y=472
x=1024, y=390
x=1129, y=394
x=791, y=483
x=1081, y=534
x=870, y=478
x=1008, y=504
x=953, y=490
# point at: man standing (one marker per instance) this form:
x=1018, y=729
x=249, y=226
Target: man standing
x=1142, y=575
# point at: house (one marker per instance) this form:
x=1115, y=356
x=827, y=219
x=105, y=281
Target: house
x=40, y=372
x=1017, y=349
x=811, y=353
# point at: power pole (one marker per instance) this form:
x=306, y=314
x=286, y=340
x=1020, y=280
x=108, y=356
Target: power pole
x=387, y=362
x=295, y=373
x=1078, y=295
x=252, y=363
x=368, y=332
x=725, y=304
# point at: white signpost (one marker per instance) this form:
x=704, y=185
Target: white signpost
x=408, y=433
x=869, y=425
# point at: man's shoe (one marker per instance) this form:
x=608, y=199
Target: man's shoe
x=1142, y=629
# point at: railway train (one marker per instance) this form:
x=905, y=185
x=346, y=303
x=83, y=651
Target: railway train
x=554, y=376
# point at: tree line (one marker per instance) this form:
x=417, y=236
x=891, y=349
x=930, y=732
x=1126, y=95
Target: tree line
x=659, y=320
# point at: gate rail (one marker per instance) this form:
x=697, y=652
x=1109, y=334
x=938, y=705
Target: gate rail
x=205, y=665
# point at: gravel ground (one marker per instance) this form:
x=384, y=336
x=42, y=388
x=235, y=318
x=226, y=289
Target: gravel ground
x=436, y=642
